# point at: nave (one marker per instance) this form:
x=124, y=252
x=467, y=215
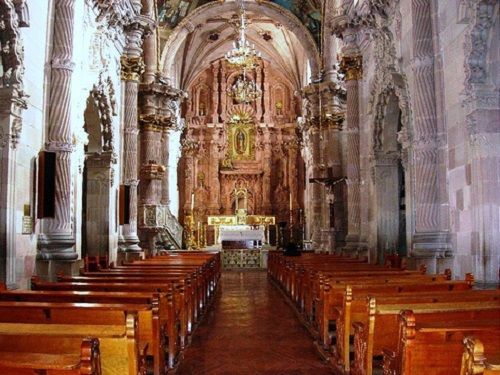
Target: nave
x=251, y=329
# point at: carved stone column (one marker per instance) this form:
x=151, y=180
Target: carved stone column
x=215, y=93
x=267, y=165
x=317, y=196
x=132, y=67
x=213, y=177
x=267, y=94
x=431, y=238
x=12, y=104
x=164, y=149
x=351, y=66
x=56, y=240
x=223, y=90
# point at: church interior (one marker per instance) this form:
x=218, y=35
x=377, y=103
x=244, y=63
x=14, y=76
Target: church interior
x=249, y=187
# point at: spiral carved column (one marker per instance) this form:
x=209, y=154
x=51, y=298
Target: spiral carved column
x=430, y=239
x=352, y=68
x=132, y=67
x=56, y=240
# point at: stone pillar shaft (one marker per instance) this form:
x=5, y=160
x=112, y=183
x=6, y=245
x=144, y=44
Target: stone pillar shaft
x=351, y=66
x=429, y=234
x=57, y=240
x=132, y=67
x=165, y=193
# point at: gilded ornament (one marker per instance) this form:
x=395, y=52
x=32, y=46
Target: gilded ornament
x=352, y=67
x=131, y=68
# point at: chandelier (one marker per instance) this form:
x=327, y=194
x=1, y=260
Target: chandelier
x=243, y=54
x=244, y=91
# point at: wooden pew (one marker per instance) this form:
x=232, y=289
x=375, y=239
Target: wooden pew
x=155, y=323
x=436, y=348
x=477, y=358
x=23, y=354
x=116, y=328
x=380, y=332
x=331, y=299
x=172, y=315
x=354, y=309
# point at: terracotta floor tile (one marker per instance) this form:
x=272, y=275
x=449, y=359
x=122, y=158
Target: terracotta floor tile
x=250, y=329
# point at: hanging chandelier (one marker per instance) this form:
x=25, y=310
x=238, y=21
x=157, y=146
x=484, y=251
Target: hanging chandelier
x=243, y=54
x=244, y=91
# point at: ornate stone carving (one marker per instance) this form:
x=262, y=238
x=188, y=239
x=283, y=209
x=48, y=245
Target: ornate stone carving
x=103, y=94
x=477, y=41
x=131, y=68
x=352, y=67
x=13, y=15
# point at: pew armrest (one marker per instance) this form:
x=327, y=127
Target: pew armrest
x=390, y=363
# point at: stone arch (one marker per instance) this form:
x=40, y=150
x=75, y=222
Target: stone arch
x=278, y=13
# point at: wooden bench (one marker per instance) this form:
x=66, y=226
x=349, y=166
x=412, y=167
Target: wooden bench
x=73, y=355
x=436, y=348
x=116, y=328
x=331, y=298
x=157, y=331
x=477, y=358
x=381, y=331
x=354, y=309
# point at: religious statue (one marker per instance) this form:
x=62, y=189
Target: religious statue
x=241, y=143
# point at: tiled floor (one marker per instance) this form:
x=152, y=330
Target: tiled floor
x=251, y=330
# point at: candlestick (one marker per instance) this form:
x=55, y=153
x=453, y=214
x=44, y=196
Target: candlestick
x=192, y=202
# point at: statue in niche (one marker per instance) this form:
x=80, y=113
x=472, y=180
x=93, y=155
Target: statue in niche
x=279, y=108
x=241, y=143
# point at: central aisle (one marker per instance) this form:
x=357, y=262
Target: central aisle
x=251, y=330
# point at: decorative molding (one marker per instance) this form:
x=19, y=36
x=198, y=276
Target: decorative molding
x=103, y=94
x=131, y=68
x=352, y=67
x=13, y=16
x=476, y=43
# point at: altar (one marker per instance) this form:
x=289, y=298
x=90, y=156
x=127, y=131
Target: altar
x=242, y=239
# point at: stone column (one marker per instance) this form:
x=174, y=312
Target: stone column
x=213, y=177
x=164, y=149
x=351, y=66
x=266, y=179
x=267, y=94
x=259, y=81
x=215, y=93
x=132, y=67
x=223, y=90
x=317, y=189
x=430, y=239
x=56, y=240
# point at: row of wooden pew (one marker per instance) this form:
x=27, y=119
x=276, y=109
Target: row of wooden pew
x=136, y=318
x=369, y=319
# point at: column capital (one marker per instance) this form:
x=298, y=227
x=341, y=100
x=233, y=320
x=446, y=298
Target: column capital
x=352, y=67
x=131, y=68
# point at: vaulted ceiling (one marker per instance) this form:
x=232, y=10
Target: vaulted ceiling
x=208, y=33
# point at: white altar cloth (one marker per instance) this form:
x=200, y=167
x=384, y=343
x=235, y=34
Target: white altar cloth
x=241, y=233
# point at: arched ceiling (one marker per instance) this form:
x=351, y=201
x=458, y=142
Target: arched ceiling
x=207, y=33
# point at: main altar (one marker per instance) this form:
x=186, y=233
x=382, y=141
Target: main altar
x=243, y=239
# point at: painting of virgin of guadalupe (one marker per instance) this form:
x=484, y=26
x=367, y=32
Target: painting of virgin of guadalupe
x=308, y=11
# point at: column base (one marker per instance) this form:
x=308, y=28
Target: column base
x=129, y=243
x=56, y=247
x=431, y=245
x=128, y=256
x=351, y=245
x=48, y=269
